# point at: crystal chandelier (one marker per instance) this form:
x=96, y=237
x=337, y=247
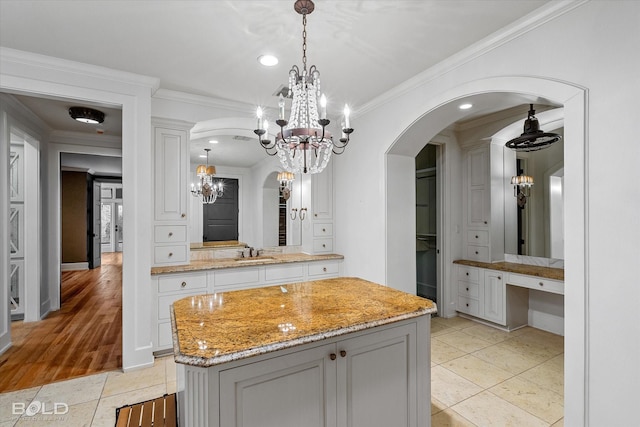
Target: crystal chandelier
x=206, y=188
x=303, y=144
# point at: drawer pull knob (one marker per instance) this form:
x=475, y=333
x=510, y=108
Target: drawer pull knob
x=170, y=233
x=170, y=253
x=499, y=278
x=467, y=273
x=467, y=289
x=343, y=353
x=324, y=246
x=332, y=356
x=485, y=222
x=183, y=215
x=324, y=269
x=324, y=229
x=476, y=237
x=467, y=304
x=183, y=284
x=541, y=284
x=476, y=252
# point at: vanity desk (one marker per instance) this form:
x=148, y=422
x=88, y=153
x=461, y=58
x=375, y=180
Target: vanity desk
x=499, y=292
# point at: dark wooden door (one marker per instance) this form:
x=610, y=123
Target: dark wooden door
x=220, y=219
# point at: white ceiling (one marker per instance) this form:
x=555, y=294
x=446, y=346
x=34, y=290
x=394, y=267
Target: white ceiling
x=362, y=48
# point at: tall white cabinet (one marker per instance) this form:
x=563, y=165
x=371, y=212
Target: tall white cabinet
x=483, y=202
x=170, y=191
x=317, y=228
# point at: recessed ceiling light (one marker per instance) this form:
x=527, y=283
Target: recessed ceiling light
x=203, y=156
x=213, y=141
x=268, y=60
x=465, y=106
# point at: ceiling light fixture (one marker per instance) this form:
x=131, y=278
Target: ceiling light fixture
x=86, y=115
x=286, y=182
x=533, y=139
x=213, y=141
x=268, y=60
x=465, y=106
x=303, y=144
x=206, y=188
x=522, y=188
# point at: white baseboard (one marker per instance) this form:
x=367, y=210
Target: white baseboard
x=70, y=266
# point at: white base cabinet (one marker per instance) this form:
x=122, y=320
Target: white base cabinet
x=375, y=378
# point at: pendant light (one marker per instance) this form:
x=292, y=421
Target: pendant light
x=533, y=139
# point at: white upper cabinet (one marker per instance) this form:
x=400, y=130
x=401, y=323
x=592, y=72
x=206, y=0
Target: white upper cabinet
x=170, y=168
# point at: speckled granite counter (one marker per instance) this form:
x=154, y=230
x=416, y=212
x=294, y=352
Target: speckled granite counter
x=529, y=270
x=212, y=264
x=218, y=328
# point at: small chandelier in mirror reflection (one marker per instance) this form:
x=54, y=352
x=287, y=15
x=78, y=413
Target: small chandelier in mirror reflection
x=206, y=189
x=286, y=183
x=522, y=188
x=303, y=144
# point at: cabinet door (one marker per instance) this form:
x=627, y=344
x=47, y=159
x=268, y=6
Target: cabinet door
x=377, y=379
x=494, y=297
x=293, y=390
x=170, y=171
x=477, y=188
x=322, y=194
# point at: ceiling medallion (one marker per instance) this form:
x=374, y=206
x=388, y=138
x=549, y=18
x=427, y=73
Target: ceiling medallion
x=303, y=144
x=533, y=139
x=86, y=115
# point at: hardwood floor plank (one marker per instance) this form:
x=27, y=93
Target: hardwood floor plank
x=83, y=337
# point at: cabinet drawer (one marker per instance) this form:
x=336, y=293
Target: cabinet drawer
x=478, y=253
x=180, y=282
x=469, y=306
x=238, y=276
x=170, y=254
x=322, y=230
x=478, y=237
x=534, y=282
x=164, y=302
x=323, y=245
x=286, y=272
x=468, y=274
x=165, y=339
x=324, y=268
x=170, y=233
x=469, y=290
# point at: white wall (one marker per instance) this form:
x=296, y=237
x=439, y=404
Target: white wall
x=580, y=46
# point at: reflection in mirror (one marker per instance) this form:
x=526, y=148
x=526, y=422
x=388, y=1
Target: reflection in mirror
x=540, y=220
x=274, y=213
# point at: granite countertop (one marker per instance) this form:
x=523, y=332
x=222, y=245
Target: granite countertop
x=213, y=264
x=217, y=328
x=512, y=267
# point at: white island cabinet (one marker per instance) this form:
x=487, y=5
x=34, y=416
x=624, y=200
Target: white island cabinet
x=330, y=359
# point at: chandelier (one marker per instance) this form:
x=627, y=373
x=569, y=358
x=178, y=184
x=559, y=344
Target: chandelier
x=303, y=144
x=522, y=188
x=206, y=188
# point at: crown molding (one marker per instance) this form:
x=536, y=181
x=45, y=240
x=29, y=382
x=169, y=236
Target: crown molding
x=26, y=113
x=533, y=20
x=203, y=101
x=67, y=66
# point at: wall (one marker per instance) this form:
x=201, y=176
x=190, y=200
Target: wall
x=74, y=217
x=601, y=380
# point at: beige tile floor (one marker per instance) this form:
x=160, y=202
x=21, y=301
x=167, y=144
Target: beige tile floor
x=480, y=377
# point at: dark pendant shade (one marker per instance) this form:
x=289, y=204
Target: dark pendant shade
x=533, y=139
x=86, y=115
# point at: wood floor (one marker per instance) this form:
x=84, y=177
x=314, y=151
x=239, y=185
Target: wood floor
x=84, y=337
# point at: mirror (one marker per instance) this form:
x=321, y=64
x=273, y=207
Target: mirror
x=236, y=154
x=537, y=228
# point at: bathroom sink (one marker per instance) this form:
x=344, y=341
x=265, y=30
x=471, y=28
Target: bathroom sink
x=253, y=260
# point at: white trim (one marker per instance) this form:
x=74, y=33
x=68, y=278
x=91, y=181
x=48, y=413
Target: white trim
x=540, y=16
x=73, y=266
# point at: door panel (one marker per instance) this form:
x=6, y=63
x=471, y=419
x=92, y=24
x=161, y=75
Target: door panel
x=220, y=219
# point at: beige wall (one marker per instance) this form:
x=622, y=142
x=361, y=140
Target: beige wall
x=74, y=217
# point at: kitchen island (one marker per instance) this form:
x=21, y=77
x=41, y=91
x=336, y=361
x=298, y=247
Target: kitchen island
x=331, y=352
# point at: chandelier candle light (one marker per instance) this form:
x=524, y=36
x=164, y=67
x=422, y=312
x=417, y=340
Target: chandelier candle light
x=303, y=144
x=522, y=188
x=286, y=182
x=206, y=188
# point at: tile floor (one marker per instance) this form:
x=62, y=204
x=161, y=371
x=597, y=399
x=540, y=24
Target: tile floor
x=480, y=377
